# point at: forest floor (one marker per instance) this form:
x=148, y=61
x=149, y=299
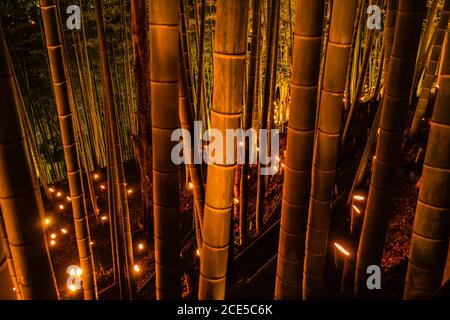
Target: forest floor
x=248, y=279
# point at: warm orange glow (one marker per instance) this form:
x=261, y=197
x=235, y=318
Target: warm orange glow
x=63, y=230
x=53, y=236
x=136, y=268
x=69, y=199
x=51, y=190
x=47, y=221
x=104, y=218
x=359, y=198
x=236, y=200
x=52, y=242
x=191, y=186
x=96, y=176
x=140, y=246
x=341, y=249
x=102, y=187
x=91, y=243
x=72, y=287
x=130, y=191
x=61, y=207
x=356, y=209
x=58, y=194
x=198, y=252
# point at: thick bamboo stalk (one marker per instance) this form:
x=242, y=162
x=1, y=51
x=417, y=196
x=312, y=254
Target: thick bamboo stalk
x=55, y=50
x=300, y=141
x=326, y=144
x=429, y=241
x=229, y=66
x=392, y=126
x=249, y=105
x=164, y=56
x=20, y=199
x=430, y=71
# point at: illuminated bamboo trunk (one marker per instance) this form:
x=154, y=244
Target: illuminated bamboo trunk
x=326, y=144
x=8, y=279
x=430, y=71
x=388, y=151
x=425, y=41
x=249, y=104
x=60, y=84
x=429, y=241
x=388, y=36
x=164, y=56
x=118, y=176
x=195, y=170
x=297, y=176
x=20, y=199
x=229, y=67
x=186, y=50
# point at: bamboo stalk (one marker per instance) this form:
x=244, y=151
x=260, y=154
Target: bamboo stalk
x=300, y=141
x=326, y=145
x=55, y=49
x=429, y=241
x=392, y=126
x=20, y=199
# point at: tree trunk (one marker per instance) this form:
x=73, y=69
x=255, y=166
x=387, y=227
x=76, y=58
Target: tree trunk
x=300, y=141
x=392, y=126
x=326, y=144
x=229, y=67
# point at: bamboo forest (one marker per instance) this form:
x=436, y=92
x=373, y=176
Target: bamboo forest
x=224, y=150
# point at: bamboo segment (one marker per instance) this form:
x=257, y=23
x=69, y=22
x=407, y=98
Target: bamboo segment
x=61, y=90
x=388, y=35
x=8, y=279
x=429, y=242
x=229, y=66
x=164, y=56
x=430, y=71
x=392, y=126
x=326, y=144
x=20, y=199
x=250, y=102
x=195, y=170
x=297, y=181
